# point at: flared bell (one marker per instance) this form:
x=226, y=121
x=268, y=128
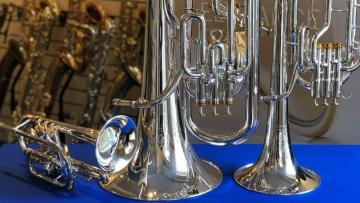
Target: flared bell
x=164, y=166
x=165, y=181
x=263, y=179
x=276, y=172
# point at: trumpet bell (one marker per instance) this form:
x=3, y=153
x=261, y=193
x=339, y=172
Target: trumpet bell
x=116, y=144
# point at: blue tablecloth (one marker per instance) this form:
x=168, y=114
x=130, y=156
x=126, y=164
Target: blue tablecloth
x=338, y=166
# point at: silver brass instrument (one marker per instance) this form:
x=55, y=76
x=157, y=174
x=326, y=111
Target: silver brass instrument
x=39, y=18
x=50, y=161
x=155, y=161
x=299, y=49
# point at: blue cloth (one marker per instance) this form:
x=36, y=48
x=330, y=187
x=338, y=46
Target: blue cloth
x=338, y=166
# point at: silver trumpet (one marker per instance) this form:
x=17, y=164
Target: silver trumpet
x=51, y=161
x=298, y=49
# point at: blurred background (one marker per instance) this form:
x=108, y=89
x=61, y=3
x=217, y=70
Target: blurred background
x=124, y=56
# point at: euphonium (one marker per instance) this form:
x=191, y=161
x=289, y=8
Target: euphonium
x=298, y=49
x=231, y=67
x=171, y=79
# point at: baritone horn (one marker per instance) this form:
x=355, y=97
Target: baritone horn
x=300, y=50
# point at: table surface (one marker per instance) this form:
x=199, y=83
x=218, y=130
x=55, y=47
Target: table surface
x=338, y=166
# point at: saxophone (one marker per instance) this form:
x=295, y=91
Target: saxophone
x=39, y=18
x=15, y=55
x=96, y=58
x=70, y=57
x=130, y=51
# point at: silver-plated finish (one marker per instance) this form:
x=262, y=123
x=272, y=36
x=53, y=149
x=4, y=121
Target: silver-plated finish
x=276, y=171
x=214, y=82
x=154, y=161
x=228, y=74
x=116, y=145
x=330, y=63
x=166, y=167
x=266, y=179
x=47, y=158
